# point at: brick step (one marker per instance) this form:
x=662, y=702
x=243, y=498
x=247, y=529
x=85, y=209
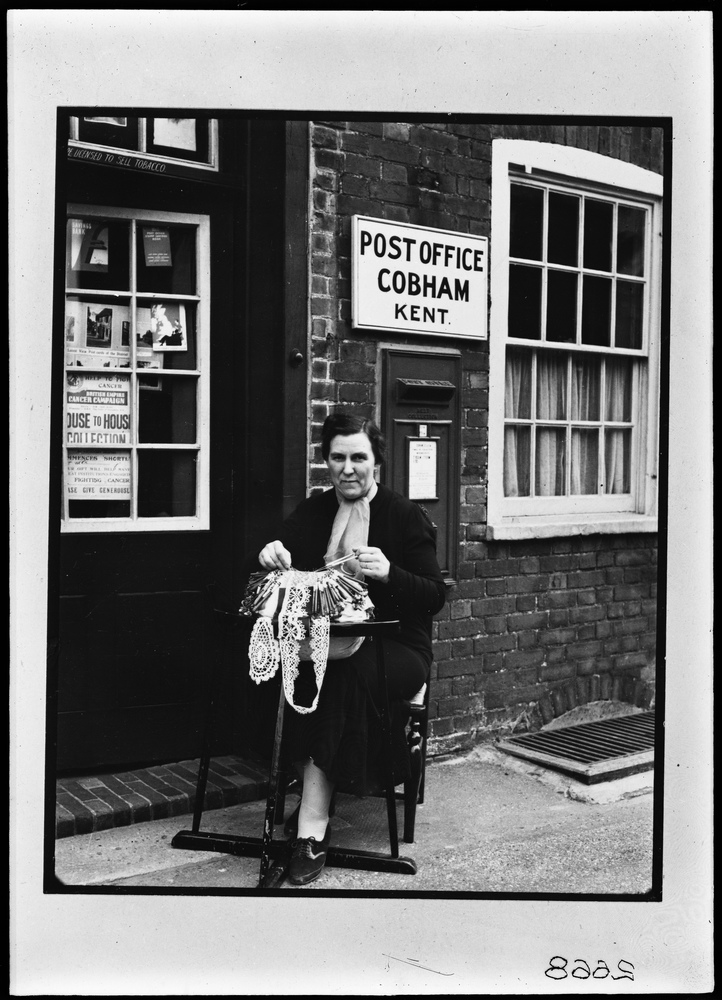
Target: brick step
x=103, y=801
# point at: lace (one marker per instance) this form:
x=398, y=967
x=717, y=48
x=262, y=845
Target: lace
x=265, y=651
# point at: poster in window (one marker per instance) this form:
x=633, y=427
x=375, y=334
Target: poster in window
x=97, y=409
x=98, y=475
x=98, y=327
x=175, y=133
x=145, y=356
x=163, y=327
x=156, y=247
x=113, y=131
x=96, y=334
x=179, y=138
x=89, y=246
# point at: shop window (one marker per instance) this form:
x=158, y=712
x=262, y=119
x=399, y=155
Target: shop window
x=145, y=143
x=135, y=399
x=574, y=356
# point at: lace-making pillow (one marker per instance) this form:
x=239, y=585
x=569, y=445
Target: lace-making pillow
x=293, y=611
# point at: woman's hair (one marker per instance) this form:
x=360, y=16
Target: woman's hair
x=345, y=424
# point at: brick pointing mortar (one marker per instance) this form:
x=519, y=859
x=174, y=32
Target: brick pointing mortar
x=529, y=624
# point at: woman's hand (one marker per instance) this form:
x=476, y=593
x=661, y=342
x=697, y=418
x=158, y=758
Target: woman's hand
x=373, y=563
x=274, y=556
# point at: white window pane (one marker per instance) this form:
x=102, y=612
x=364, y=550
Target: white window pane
x=525, y=302
x=630, y=240
x=527, y=218
x=98, y=483
x=618, y=393
x=551, y=388
x=166, y=334
x=628, y=330
x=167, y=483
x=550, y=471
x=585, y=461
x=97, y=332
x=617, y=461
x=98, y=254
x=596, y=311
x=585, y=389
x=166, y=259
x=563, y=237
x=562, y=307
x=517, y=396
x=598, y=220
x=517, y=461
x=167, y=410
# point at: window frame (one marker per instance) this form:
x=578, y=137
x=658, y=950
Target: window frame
x=201, y=373
x=139, y=148
x=587, y=173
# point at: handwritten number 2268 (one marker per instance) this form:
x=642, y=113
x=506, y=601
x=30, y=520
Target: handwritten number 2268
x=558, y=969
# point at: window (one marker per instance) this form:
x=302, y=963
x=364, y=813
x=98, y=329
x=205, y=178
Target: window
x=135, y=394
x=164, y=145
x=575, y=348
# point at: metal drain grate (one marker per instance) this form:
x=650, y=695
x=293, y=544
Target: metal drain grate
x=591, y=751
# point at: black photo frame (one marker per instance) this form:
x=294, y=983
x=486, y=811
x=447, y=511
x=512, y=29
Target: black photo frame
x=199, y=154
x=119, y=134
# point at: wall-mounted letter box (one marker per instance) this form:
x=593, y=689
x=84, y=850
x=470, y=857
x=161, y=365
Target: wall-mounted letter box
x=421, y=415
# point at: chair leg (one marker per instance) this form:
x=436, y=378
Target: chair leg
x=423, y=731
x=412, y=787
x=422, y=781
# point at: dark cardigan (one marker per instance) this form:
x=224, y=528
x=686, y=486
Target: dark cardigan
x=415, y=590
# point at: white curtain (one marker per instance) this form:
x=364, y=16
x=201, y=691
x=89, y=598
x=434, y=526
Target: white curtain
x=584, y=404
x=617, y=407
x=585, y=461
x=585, y=442
x=551, y=404
x=517, y=405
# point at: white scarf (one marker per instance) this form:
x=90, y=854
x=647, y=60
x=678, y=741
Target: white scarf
x=350, y=531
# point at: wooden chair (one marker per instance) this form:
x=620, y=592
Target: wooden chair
x=274, y=854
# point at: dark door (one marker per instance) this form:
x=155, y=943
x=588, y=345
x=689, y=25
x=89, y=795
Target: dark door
x=135, y=637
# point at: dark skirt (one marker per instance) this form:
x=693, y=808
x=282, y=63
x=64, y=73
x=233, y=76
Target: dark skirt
x=343, y=735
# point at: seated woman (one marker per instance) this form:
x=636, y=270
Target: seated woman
x=337, y=745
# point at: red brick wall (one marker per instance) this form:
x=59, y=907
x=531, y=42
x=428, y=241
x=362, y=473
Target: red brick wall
x=532, y=628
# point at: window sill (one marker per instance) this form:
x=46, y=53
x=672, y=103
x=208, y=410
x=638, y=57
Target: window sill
x=108, y=525
x=560, y=526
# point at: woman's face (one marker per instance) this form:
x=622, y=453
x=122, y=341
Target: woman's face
x=351, y=464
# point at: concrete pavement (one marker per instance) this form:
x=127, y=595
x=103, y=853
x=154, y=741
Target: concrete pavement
x=490, y=823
